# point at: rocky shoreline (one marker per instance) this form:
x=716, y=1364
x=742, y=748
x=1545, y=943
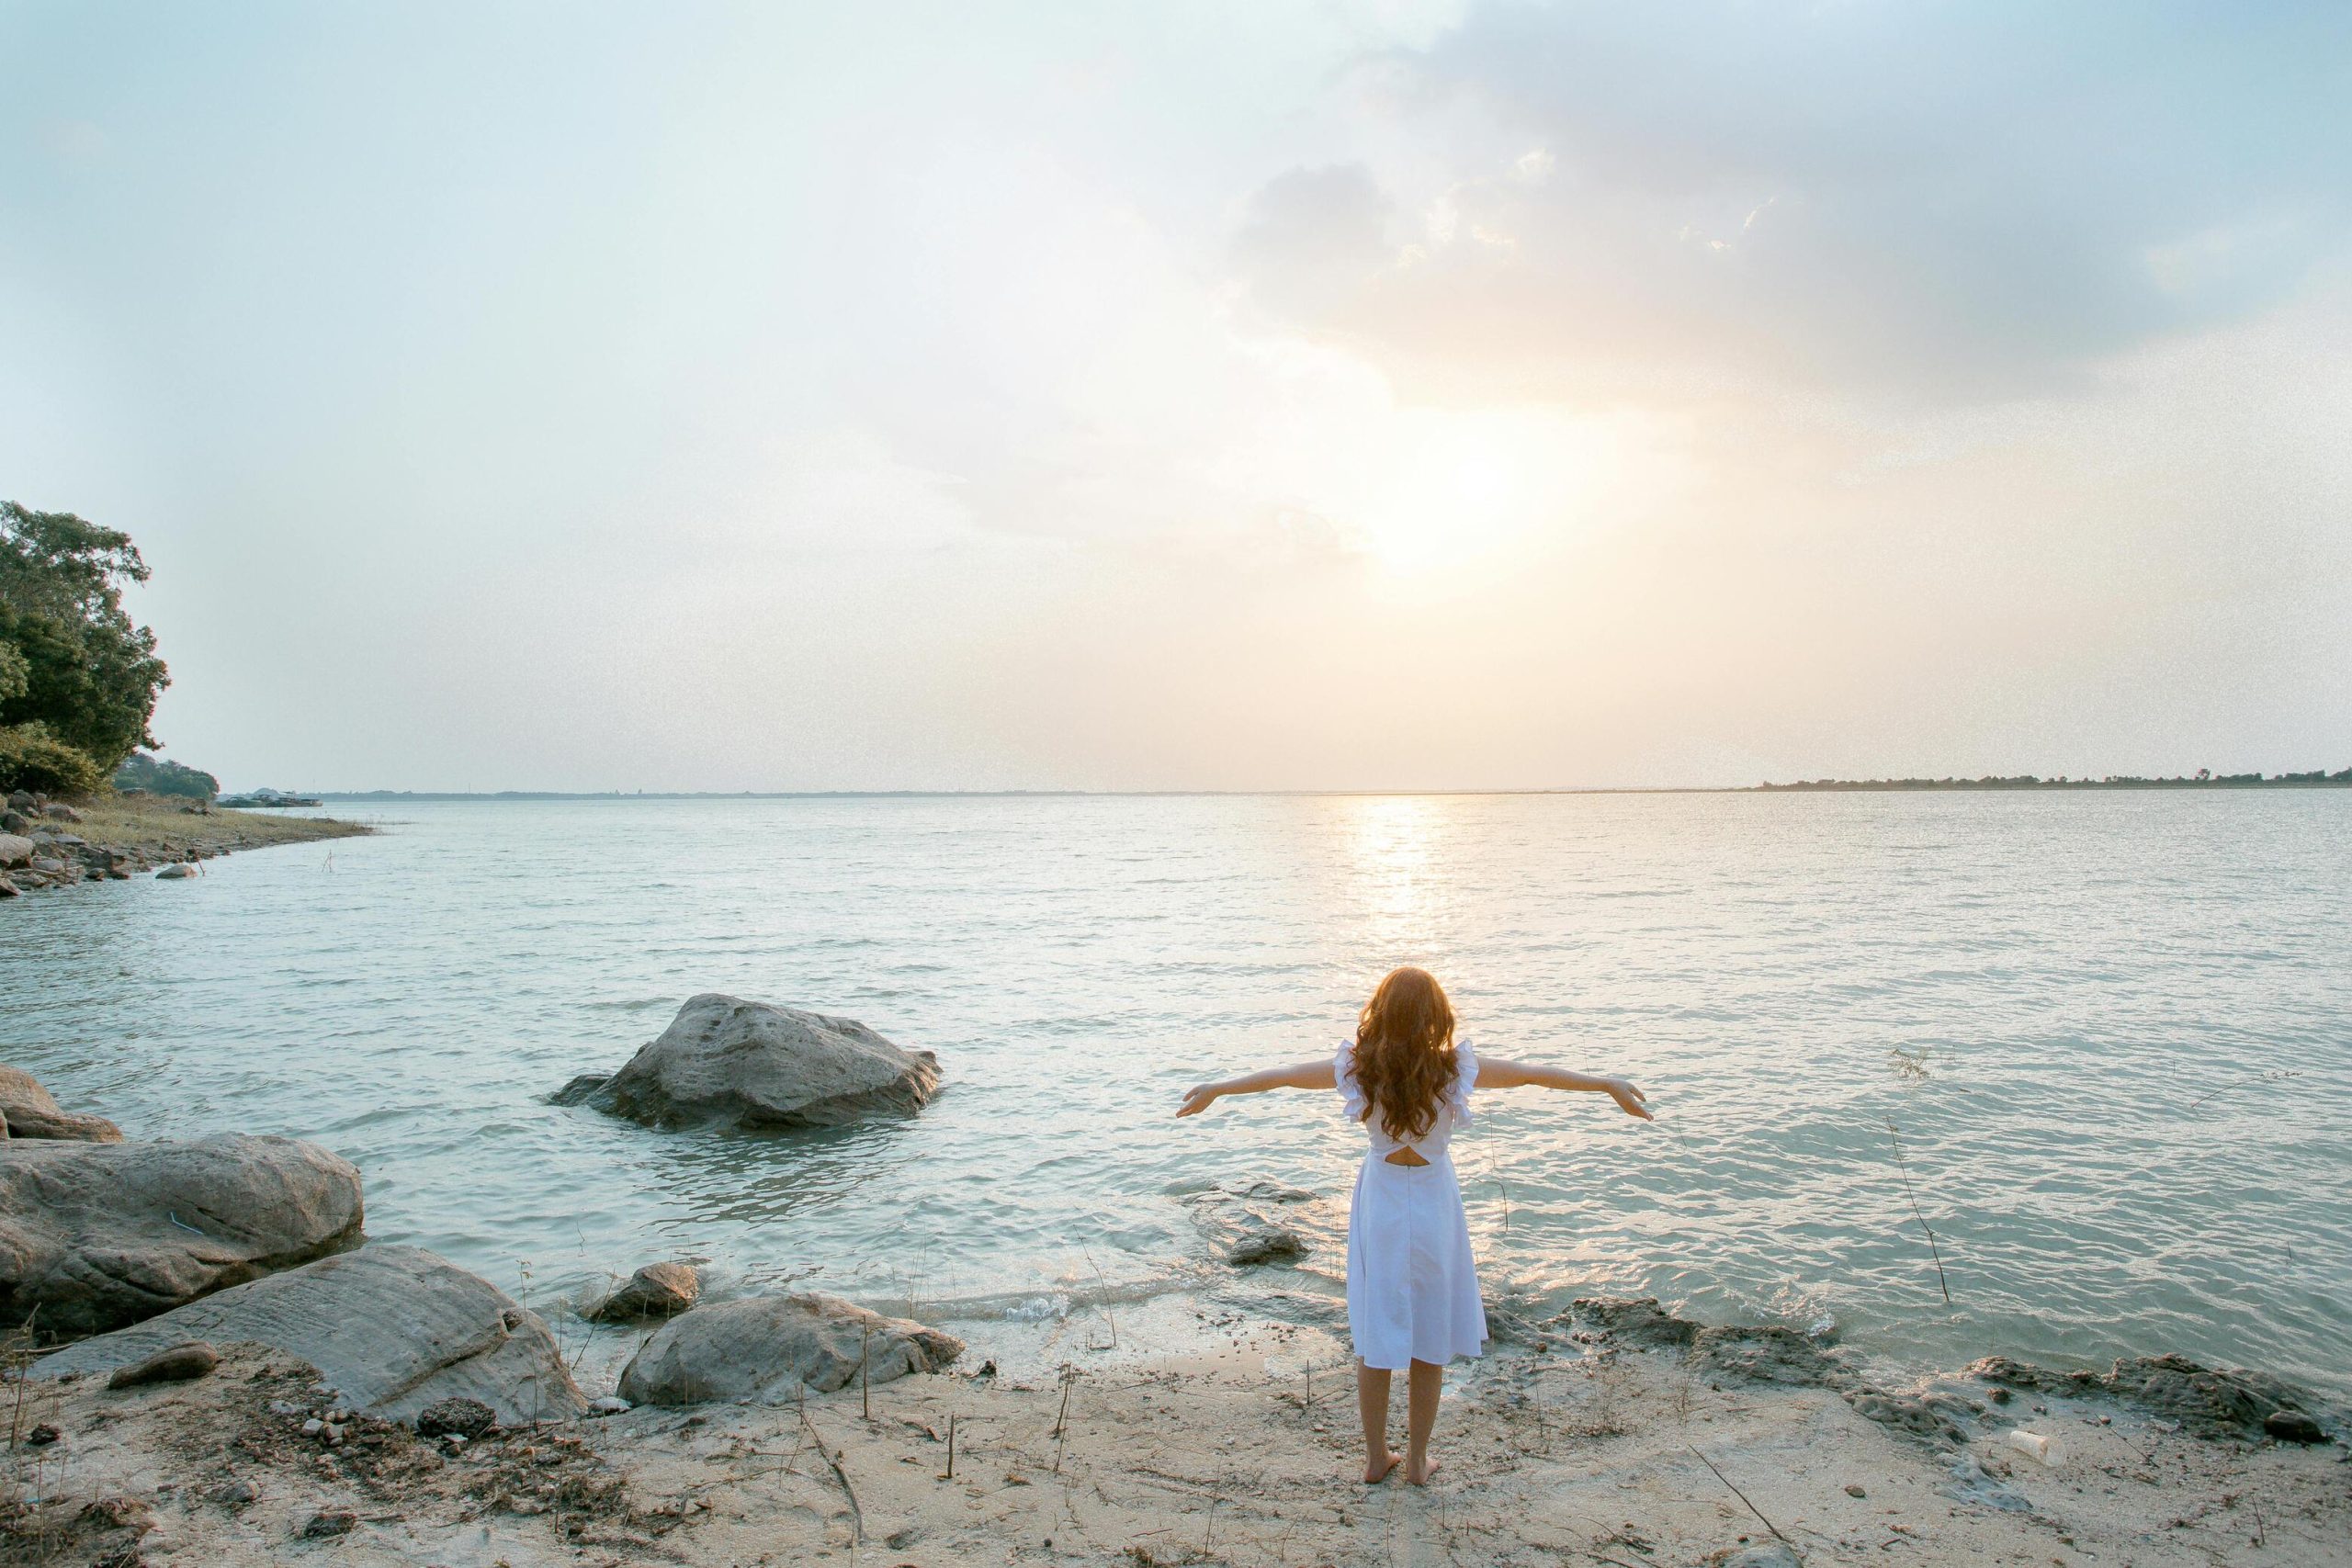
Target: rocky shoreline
x=210, y=1360
x=48, y=843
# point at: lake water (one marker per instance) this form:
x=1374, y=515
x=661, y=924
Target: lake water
x=2067, y=1003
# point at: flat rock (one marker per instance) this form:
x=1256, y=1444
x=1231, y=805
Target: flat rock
x=32, y=1112
x=771, y=1348
x=184, y=1362
x=1634, y=1320
x=94, y=1237
x=727, y=1061
x=658, y=1289
x=392, y=1329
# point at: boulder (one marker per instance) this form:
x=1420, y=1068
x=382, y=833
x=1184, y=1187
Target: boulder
x=30, y=1113
x=176, y=870
x=15, y=849
x=723, y=1060
x=658, y=1289
x=57, y=810
x=771, y=1348
x=97, y=1235
x=393, y=1330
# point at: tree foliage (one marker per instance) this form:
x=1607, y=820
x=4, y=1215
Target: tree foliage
x=158, y=776
x=72, y=662
x=31, y=759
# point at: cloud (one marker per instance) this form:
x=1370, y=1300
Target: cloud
x=1928, y=204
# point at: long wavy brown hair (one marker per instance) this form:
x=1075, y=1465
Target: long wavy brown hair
x=1404, y=1057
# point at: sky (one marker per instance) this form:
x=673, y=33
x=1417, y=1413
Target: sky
x=1236, y=394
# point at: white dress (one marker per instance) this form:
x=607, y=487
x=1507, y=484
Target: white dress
x=1412, y=1286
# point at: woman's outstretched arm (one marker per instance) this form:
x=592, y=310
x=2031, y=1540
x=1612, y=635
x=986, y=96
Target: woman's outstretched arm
x=1496, y=1074
x=1301, y=1075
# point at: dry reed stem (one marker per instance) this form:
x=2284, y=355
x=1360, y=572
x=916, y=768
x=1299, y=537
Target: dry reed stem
x=1903, y=1166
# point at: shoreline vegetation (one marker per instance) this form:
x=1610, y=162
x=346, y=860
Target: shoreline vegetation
x=2201, y=780
x=108, y=837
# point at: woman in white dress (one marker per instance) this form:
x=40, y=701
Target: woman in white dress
x=1413, y=1297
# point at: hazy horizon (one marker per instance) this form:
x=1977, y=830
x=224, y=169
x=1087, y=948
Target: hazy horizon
x=1268, y=397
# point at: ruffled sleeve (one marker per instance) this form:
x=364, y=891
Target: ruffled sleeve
x=1465, y=1078
x=1343, y=1070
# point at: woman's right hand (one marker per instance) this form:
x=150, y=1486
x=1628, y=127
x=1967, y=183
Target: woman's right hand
x=1197, y=1098
x=1629, y=1099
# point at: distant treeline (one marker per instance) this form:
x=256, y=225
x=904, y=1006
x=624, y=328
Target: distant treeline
x=2204, y=778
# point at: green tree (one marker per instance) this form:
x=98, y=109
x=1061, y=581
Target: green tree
x=74, y=663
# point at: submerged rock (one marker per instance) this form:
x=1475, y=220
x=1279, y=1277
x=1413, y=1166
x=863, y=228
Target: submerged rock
x=771, y=1348
x=97, y=1235
x=393, y=1330
x=1253, y=1222
x=658, y=1289
x=32, y=1112
x=724, y=1060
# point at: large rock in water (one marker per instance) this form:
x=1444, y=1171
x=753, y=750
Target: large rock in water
x=726, y=1060
x=771, y=1349
x=97, y=1235
x=392, y=1329
x=29, y=1111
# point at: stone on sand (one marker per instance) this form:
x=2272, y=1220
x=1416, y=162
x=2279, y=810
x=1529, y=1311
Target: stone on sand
x=771, y=1349
x=94, y=1237
x=727, y=1061
x=184, y=1362
x=392, y=1329
x=32, y=1112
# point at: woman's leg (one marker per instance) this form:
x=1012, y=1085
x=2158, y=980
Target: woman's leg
x=1371, y=1404
x=1424, y=1383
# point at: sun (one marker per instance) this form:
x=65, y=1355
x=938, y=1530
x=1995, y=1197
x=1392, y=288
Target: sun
x=1457, y=488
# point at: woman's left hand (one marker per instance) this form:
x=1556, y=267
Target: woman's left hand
x=1629, y=1098
x=1197, y=1098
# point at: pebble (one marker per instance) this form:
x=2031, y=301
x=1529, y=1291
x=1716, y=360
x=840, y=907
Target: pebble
x=1853, y=1489
x=313, y=1426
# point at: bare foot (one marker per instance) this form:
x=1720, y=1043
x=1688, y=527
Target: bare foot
x=1376, y=1470
x=1424, y=1478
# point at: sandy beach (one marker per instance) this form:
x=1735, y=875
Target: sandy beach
x=1586, y=1449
